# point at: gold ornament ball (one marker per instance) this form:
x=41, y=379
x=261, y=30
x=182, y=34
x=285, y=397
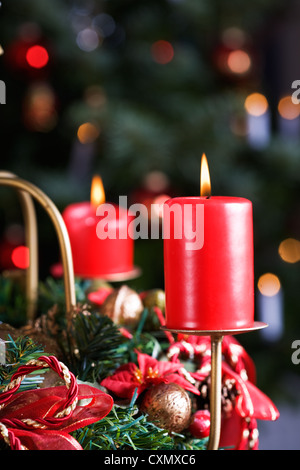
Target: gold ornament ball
x=155, y=297
x=168, y=406
x=123, y=306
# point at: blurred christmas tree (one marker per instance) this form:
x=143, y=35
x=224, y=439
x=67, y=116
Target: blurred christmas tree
x=137, y=91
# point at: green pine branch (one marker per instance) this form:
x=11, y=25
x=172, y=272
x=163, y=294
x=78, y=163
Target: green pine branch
x=97, y=347
x=125, y=429
x=18, y=353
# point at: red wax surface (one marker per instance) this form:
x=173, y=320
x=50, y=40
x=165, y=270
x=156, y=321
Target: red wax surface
x=211, y=288
x=94, y=257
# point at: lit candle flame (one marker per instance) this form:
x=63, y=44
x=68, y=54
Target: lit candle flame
x=205, y=186
x=97, y=191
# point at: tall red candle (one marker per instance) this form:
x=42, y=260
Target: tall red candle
x=94, y=257
x=209, y=285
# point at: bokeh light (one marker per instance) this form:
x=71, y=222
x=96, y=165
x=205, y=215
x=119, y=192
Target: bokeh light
x=234, y=37
x=87, y=133
x=256, y=104
x=287, y=109
x=20, y=257
x=289, y=250
x=39, y=109
x=88, y=40
x=239, y=61
x=162, y=52
x=269, y=284
x=37, y=56
x=104, y=24
x=95, y=96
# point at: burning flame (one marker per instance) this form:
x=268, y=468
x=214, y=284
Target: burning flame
x=205, y=186
x=97, y=191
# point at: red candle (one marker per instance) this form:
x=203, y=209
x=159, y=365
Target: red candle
x=95, y=257
x=209, y=284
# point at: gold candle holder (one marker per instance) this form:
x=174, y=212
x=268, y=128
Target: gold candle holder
x=216, y=374
x=27, y=191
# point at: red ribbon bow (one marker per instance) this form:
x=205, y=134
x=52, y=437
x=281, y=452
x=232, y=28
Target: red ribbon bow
x=42, y=419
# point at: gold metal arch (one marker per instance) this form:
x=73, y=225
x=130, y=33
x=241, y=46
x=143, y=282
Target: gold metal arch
x=27, y=191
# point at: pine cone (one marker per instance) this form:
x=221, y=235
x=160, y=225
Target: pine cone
x=228, y=395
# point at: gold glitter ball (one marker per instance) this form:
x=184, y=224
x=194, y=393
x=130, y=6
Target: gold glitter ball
x=168, y=406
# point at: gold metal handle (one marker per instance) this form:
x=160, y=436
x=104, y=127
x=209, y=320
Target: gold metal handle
x=215, y=392
x=31, y=240
x=28, y=189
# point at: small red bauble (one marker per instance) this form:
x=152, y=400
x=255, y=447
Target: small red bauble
x=200, y=424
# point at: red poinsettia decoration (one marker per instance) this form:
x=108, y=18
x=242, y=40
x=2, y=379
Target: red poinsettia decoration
x=239, y=426
x=149, y=371
x=42, y=419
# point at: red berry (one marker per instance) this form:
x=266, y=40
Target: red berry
x=200, y=424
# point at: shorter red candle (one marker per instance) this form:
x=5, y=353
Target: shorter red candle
x=95, y=257
x=209, y=285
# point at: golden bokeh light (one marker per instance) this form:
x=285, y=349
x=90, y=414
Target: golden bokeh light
x=289, y=250
x=269, y=284
x=287, y=109
x=256, y=104
x=87, y=133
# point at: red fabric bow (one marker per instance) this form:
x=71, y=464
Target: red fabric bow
x=129, y=377
x=42, y=407
x=239, y=429
x=45, y=402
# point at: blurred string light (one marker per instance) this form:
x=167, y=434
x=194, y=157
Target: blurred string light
x=104, y=24
x=39, y=108
x=239, y=62
x=234, y=37
x=232, y=56
x=256, y=104
x=258, y=120
x=37, y=56
x=88, y=40
x=20, y=257
x=270, y=306
x=289, y=250
x=92, y=30
x=95, y=96
x=288, y=118
x=287, y=109
x=269, y=284
x=162, y=52
x=88, y=133
x=83, y=153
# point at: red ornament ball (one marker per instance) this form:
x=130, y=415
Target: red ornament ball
x=200, y=424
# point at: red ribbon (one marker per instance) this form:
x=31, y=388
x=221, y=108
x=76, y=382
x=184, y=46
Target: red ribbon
x=42, y=406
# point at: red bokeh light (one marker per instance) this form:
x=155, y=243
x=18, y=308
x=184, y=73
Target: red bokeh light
x=162, y=52
x=37, y=56
x=20, y=257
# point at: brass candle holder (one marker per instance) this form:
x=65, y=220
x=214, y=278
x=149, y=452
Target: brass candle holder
x=28, y=191
x=216, y=373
